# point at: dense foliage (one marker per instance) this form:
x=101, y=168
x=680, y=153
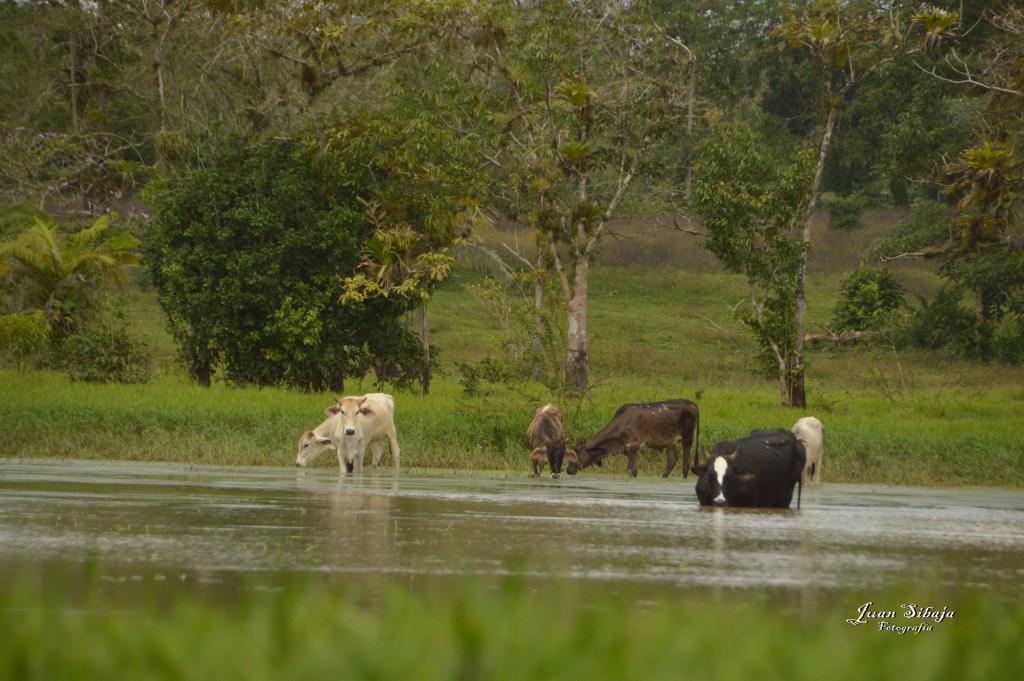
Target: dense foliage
x=561, y=115
x=868, y=297
x=249, y=256
x=54, y=281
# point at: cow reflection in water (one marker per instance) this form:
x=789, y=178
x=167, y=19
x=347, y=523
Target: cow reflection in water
x=759, y=470
x=352, y=521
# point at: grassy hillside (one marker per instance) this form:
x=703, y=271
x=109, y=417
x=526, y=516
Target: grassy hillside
x=661, y=326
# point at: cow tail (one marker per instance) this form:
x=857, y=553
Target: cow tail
x=799, y=491
x=696, y=446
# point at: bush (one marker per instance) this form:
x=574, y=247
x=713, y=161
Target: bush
x=105, y=356
x=1008, y=342
x=23, y=334
x=845, y=212
x=942, y=323
x=868, y=297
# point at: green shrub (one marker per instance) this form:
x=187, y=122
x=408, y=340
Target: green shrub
x=106, y=355
x=23, y=334
x=942, y=323
x=868, y=296
x=1008, y=341
x=845, y=212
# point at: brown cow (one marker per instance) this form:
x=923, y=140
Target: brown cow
x=658, y=425
x=546, y=438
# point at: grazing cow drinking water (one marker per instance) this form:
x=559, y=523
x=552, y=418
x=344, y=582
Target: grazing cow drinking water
x=759, y=470
x=658, y=425
x=353, y=424
x=811, y=434
x=545, y=437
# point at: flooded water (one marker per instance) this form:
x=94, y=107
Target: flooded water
x=207, y=527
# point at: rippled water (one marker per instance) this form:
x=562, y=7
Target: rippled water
x=183, y=525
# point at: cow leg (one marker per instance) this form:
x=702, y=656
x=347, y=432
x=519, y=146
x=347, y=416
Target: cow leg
x=393, y=446
x=672, y=456
x=538, y=458
x=687, y=450
x=378, y=449
x=631, y=451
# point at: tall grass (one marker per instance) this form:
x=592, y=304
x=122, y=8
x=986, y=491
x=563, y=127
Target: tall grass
x=961, y=436
x=506, y=630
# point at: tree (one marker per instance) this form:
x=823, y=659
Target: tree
x=847, y=41
x=977, y=238
x=579, y=95
x=249, y=257
x=749, y=198
x=59, y=270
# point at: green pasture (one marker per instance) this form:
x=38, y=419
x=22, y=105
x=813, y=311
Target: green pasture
x=966, y=433
x=661, y=326
x=509, y=629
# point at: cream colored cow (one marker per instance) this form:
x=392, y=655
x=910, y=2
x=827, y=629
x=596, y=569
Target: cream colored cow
x=352, y=425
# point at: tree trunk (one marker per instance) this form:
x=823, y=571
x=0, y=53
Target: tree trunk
x=158, y=74
x=980, y=316
x=425, y=337
x=577, y=364
x=76, y=57
x=691, y=100
x=538, y=322
x=796, y=391
x=795, y=377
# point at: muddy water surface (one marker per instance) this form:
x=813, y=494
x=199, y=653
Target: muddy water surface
x=183, y=526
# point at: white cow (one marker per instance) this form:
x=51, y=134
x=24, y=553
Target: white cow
x=811, y=435
x=353, y=424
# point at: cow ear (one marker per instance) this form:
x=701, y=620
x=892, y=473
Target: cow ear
x=333, y=409
x=570, y=455
x=744, y=474
x=323, y=440
x=366, y=411
x=700, y=469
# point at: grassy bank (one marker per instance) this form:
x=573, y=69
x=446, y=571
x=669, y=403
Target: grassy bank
x=956, y=436
x=306, y=630
x=661, y=326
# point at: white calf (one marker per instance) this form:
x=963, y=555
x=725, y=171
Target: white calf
x=811, y=435
x=313, y=442
x=351, y=425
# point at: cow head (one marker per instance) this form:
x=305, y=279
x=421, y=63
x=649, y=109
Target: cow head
x=583, y=456
x=555, y=454
x=721, y=479
x=310, y=446
x=350, y=409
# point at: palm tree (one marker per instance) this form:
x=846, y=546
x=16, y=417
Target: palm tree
x=59, y=271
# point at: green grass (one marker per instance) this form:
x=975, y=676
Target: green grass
x=510, y=629
x=661, y=326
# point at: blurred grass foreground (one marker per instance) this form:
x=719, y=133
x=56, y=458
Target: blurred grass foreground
x=507, y=630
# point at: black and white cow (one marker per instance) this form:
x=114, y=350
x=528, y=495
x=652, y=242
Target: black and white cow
x=759, y=470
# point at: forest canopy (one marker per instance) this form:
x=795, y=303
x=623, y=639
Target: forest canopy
x=366, y=141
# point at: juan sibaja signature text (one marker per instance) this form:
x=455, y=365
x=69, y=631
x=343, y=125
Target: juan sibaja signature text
x=897, y=622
